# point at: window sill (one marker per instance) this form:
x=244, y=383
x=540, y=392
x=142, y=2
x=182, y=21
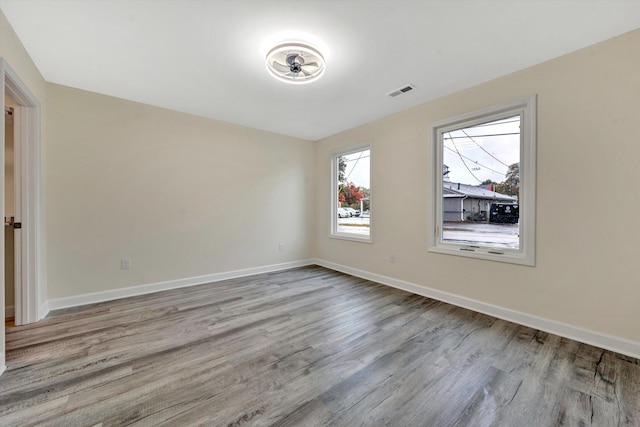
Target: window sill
x=352, y=237
x=489, y=254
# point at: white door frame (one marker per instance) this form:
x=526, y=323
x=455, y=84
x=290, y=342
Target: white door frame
x=17, y=211
x=29, y=306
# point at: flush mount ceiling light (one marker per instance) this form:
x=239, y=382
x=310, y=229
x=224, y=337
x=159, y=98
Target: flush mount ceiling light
x=295, y=63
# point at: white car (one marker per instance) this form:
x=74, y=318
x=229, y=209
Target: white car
x=343, y=213
x=352, y=212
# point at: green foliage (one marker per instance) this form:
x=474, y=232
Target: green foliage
x=342, y=167
x=511, y=184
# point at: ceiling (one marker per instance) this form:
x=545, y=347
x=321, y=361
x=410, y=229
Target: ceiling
x=207, y=57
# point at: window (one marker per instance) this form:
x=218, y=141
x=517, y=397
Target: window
x=484, y=177
x=351, y=194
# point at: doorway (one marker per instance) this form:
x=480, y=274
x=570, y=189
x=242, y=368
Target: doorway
x=29, y=296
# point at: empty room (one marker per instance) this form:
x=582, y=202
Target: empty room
x=310, y=213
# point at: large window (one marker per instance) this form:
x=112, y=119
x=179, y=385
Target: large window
x=351, y=193
x=484, y=195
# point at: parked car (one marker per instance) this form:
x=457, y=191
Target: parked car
x=352, y=211
x=343, y=213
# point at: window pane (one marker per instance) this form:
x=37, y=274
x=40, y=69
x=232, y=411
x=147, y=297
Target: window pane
x=480, y=184
x=354, y=193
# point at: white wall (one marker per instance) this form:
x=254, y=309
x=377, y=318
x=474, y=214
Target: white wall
x=587, y=196
x=182, y=196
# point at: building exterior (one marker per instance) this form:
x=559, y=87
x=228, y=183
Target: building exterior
x=463, y=202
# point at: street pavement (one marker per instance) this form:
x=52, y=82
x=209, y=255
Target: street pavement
x=482, y=233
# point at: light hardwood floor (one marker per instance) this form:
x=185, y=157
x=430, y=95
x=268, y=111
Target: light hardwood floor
x=305, y=347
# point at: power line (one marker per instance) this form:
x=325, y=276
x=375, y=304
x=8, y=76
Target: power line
x=451, y=139
x=463, y=162
x=476, y=162
x=355, y=164
x=482, y=148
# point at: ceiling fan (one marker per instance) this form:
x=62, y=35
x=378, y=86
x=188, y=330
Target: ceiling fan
x=295, y=62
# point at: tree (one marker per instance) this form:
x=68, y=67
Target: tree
x=489, y=185
x=342, y=167
x=351, y=194
x=511, y=184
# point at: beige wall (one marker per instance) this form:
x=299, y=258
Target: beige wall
x=13, y=52
x=182, y=196
x=587, y=197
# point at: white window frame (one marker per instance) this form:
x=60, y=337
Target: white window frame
x=334, y=194
x=525, y=254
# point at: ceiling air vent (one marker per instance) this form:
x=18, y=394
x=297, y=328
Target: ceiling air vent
x=401, y=90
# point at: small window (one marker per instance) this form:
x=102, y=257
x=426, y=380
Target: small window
x=484, y=193
x=351, y=194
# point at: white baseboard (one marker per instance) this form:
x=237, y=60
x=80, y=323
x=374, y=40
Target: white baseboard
x=42, y=313
x=616, y=344
x=95, y=297
x=10, y=311
x=609, y=342
x=44, y=310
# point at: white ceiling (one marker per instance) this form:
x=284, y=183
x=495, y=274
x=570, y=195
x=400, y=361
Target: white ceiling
x=207, y=57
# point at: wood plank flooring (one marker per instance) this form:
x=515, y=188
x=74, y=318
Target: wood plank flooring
x=305, y=347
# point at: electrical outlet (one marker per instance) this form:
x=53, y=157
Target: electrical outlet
x=125, y=263
x=392, y=258
x=281, y=247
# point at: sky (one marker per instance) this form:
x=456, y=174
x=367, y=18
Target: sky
x=483, y=151
x=358, y=168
